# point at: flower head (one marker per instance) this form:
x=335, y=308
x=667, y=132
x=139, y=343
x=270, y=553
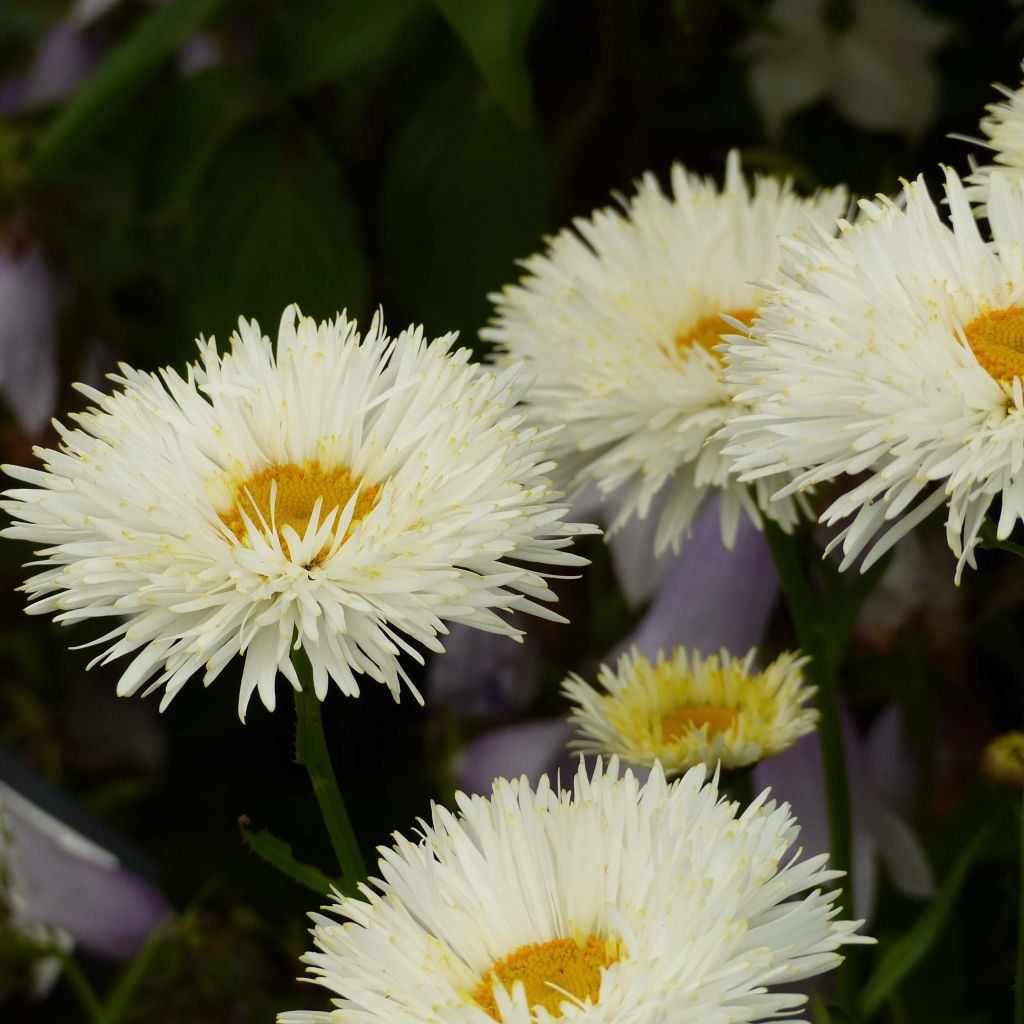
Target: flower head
x=686, y=710
x=613, y=902
x=347, y=496
x=895, y=355
x=619, y=321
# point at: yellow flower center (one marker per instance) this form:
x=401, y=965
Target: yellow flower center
x=997, y=341
x=298, y=488
x=707, y=331
x=677, y=723
x=551, y=972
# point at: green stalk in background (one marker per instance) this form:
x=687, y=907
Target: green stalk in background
x=823, y=624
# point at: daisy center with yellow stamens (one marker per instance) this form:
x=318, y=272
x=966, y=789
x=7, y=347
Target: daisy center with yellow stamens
x=551, y=973
x=707, y=331
x=997, y=341
x=677, y=723
x=297, y=491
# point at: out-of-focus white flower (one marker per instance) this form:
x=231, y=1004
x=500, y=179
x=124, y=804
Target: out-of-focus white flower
x=343, y=494
x=619, y=320
x=683, y=709
x=609, y=903
x=876, y=70
x=881, y=778
x=29, y=308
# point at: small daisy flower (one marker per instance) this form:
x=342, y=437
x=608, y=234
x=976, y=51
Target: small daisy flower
x=1003, y=128
x=614, y=902
x=347, y=496
x=619, y=321
x=895, y=355
x=686, y=710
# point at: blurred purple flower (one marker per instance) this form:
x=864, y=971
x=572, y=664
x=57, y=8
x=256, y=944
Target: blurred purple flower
x=881, y=787
x=29, y=301
x=62, y=61
x=710, y=597
x=483, y=675
x=57, y=878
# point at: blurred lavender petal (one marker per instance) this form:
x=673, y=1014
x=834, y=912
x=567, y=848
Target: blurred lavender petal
x=29, y=298
x=198, y=54
x=638, y=571
x=879, y=832
x=526, y=748
x=63, y=880
x=484, y=675
x=62, y=61
x=711, y=597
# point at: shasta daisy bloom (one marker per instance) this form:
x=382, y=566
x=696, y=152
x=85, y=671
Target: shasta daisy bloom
x=685, y=710
x=615, y=902
x=619, y=320
x=895, y=355
x=347, y=496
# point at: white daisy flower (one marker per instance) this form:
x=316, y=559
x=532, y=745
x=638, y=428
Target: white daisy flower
x=340, y=495
x=1003, y=128
x=619, y=320
x=895, y=355
x=685, y=710
x=616, y=902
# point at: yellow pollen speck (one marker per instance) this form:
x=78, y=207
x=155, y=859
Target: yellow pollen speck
x=677, y=723
x=997, y=341
x=298, y=488
x=707, y=331
x=573, y=967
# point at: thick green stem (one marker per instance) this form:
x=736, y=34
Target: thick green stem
x=1018, y=1001
x=311, y=752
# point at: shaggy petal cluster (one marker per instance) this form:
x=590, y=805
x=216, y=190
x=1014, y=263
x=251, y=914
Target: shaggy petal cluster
x=1003, y=128
x=694, y=907
x=347, y=496
x=618, y=320
x=686, y=710
x=894, y=357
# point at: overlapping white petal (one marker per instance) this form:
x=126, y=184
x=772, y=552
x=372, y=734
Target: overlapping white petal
x=860, y=367
x=127, y=514
x=598, y=318
x=1003, y=127
x=710, y=907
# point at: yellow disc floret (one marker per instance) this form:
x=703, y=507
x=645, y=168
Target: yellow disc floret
x=707, y=331
x=551, y=972
x=295, y=491
x=680, y=721
x=997, y=341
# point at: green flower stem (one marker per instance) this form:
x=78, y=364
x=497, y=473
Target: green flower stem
x=311, y=752
x=824, y=639
x=83, y=990
x=1018, y=999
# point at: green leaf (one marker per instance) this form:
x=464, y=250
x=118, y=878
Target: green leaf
x=905, y=954
x=197, y=117
x=271, y=223
x=315, y=41
x=278, y=854
x=494, y=33
x=120, y=996
x=115, y=82
x=463, y=197
x=990, y=542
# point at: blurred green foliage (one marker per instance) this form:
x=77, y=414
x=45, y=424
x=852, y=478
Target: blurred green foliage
x=350, y=154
